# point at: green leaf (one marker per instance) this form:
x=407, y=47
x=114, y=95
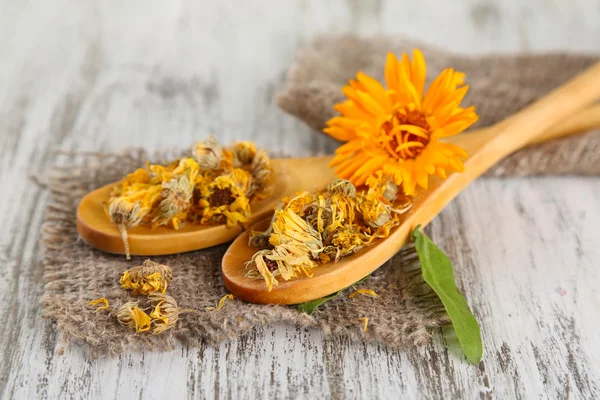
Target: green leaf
x=310, y=306
x=438, y=273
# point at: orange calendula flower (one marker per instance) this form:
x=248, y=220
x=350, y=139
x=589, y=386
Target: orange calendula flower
x=400, y=131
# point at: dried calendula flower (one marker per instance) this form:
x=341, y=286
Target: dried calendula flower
x=133, y=317
x=103, y=301
x=216, y=185
x=314, y=228
x=176, y=199
x=209, y=154
x=243, y=153
x=225, y=199
x=165, y=312
x=262, y=175
x=148, y=278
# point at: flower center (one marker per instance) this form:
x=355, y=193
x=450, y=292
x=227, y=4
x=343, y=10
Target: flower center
x=221, y=197
x=405, y=134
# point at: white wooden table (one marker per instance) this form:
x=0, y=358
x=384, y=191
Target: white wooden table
x=101, y=76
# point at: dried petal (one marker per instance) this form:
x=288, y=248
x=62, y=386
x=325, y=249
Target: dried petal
x=366, y=292
x=103, y=301
x=221, y=303
x=365, y=322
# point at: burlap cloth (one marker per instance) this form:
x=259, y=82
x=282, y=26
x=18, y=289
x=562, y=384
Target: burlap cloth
x=407, y=311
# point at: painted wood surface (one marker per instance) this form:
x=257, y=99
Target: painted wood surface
x=83, y=75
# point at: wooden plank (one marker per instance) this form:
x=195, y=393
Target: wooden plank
x=106, y=75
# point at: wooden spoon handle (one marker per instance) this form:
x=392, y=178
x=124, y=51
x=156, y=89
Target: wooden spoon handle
x=529, y=124
x=582, y=121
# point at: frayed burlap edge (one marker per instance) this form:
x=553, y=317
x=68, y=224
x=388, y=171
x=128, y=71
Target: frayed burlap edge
x=74, y=274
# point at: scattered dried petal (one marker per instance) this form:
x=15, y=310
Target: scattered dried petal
x=221, y=303
x=101, y=300
x=365, y=321
x=366, y=292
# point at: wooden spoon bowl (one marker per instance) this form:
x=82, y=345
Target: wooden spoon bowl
x=485, y=148
x=96, y=228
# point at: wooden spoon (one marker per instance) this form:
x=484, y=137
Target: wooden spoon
x=485, y=148
x=292, y=175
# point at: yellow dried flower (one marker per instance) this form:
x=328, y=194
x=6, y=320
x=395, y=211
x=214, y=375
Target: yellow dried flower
x=103, y=301
x=312, y=229
x=365, y=292
x=148, y=278
x=131, y=316
x=130, y=205
x=224, y=199
x=221, y=303
x=209, y=154
x=289, y=227
x=214, y=187
x=165, y=313
x=243, y=153
x=343, y=187
x=262, y=175
x=176, y=198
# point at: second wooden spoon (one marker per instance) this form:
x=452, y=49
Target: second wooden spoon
x=485, y=148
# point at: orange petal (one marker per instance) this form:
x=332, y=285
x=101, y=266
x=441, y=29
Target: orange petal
x=377, y=92
x=419, y=71
x=391, y=71
x=340, y=133
x=369, y=104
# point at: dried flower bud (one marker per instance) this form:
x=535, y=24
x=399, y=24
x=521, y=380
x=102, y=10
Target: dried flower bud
x=165, y=313
x=131, y=316
x=176, y=198
x=390, y=191
x=289, y=227
x=148, y=278
x=262, y=174
x=243, y=153
x=286, y=260
x=343, y=187
x=125, y=214
x=209, y=154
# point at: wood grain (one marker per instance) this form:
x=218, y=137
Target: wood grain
x=106, y=75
